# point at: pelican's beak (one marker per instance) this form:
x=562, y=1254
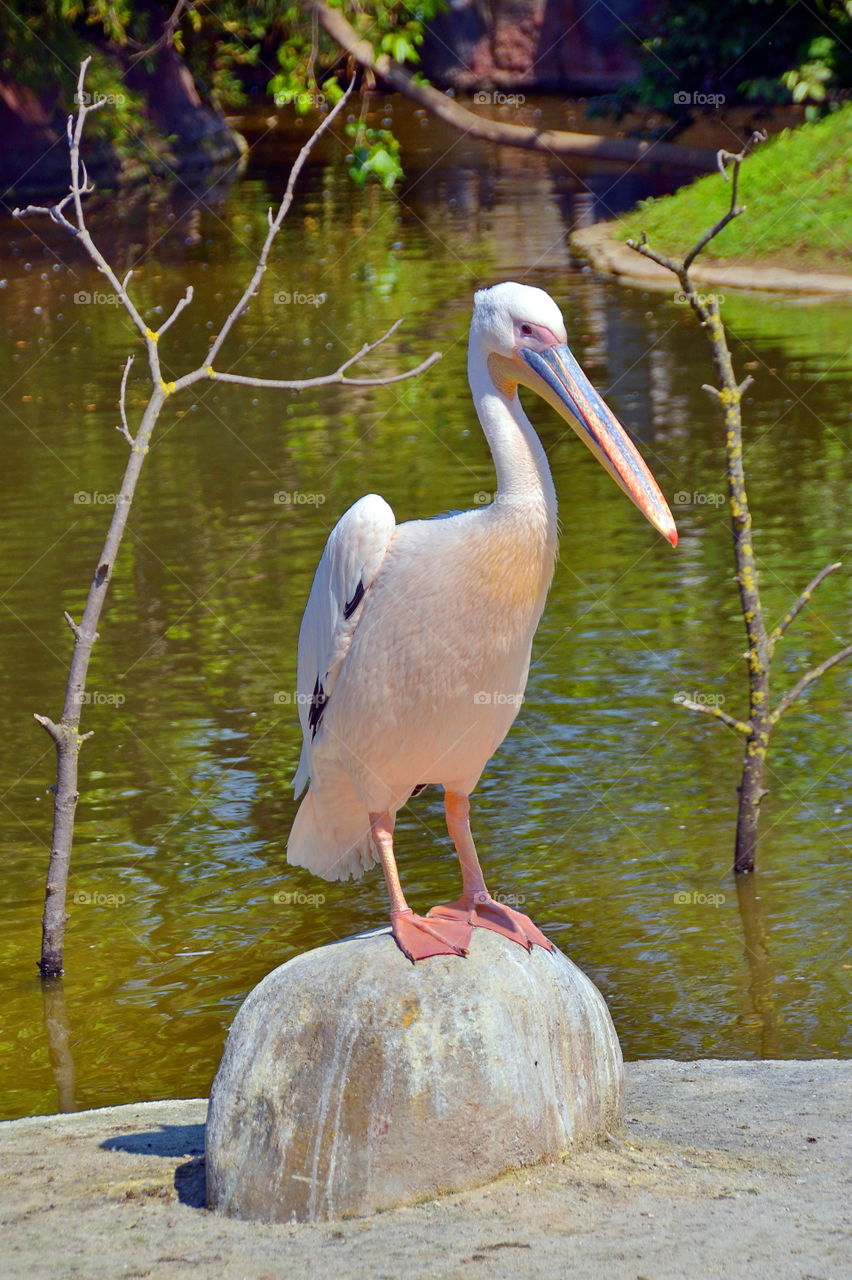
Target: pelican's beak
x=559, y=380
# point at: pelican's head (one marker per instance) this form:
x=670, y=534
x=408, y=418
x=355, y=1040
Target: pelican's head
x=518, y=331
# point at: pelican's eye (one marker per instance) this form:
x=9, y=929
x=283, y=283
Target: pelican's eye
x=536, y=336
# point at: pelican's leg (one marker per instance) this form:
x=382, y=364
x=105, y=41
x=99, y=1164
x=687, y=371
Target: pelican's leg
x=476, y=904
x=415, y=936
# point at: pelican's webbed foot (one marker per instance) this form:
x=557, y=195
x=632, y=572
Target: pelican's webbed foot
x=419, y=938
x=480, y=910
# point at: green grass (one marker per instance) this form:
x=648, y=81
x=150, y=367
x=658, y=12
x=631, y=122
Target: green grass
x=796, y=189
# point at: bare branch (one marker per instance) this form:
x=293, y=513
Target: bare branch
x=47, y=724
x=122, y=404
x=741, y=726
x=801, y=685
x=728, y=397
x=274, y=227
x=796, y=608
x=642, y=246
x=75, y=195
x=305, y=384
x=337, y=378
x=184, y=302
x=169, y=28
x=66, y=734
x=734, y=210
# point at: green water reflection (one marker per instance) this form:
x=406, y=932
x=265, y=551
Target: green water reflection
x=606, y=806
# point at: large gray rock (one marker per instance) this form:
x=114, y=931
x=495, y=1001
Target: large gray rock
x=353, y=1080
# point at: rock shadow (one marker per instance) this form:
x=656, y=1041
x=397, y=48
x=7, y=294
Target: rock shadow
x=171, y=1140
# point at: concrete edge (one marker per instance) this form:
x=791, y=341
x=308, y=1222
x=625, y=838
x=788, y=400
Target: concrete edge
x=597, y=246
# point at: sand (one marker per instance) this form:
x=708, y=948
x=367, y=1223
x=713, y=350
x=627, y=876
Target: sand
x=721, y=1169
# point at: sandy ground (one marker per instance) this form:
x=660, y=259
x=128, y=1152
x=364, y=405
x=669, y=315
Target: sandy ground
x=721, y=1169
x=612, y=257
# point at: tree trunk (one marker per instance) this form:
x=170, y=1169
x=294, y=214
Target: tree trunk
x=65, y=805
x=751, y=792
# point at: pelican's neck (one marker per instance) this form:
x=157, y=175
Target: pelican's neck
x=523, y=474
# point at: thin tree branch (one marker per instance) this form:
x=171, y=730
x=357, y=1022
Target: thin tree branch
x=66, y=734
x=274, y=227
x=796, y=608
x=122, y=404
x=49, y=726
x=80, y=231
x=337, y=378
x=549, y=141
x=741, y=726
x=169, y=28
x=728, y=396
x=734, y=209
x=807, y=679
x=184, y=302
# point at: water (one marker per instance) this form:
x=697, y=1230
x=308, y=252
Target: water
x=609, y=809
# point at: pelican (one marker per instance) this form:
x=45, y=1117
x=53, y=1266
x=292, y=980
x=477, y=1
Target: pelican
x=415, y=644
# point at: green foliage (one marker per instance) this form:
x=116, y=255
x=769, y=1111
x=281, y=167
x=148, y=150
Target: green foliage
x=771, y=51
x=238, y=43
x=375, y=153
x=299, y=66
x=294, y=61
x=796, y=189
x=42, y=41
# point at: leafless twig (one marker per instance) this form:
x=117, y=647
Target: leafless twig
x=66, y=731
x=761, y=643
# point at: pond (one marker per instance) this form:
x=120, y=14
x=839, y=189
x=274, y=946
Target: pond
x=609, y=810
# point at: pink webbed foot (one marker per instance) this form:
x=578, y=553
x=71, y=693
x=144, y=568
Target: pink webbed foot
x=483, y=912
x=418, y=938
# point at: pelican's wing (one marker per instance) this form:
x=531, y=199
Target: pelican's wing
x=356, y=547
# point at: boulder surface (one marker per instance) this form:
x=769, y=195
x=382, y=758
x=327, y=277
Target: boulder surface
x=354, y=1081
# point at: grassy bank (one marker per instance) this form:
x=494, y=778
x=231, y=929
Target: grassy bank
x=796, y=192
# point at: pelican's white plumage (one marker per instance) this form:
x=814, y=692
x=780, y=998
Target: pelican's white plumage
x=415, y=643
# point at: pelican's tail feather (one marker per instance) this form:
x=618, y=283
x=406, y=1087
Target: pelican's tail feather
x=331, y=833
